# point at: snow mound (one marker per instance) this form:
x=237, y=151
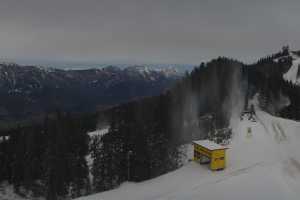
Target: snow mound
x=263, y=163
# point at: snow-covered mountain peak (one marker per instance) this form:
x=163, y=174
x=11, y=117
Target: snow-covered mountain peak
x=143, y=70
x=169, y=71
x=138, y=68
x=153, y=73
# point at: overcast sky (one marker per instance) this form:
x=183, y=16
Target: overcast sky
x=156, y=31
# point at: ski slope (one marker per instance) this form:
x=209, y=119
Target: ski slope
x=263, y=164
x=292, y=74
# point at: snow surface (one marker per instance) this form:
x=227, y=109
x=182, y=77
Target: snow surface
x=263, y=163
x=7, y=193
x=4, y=138
x=209, y=144
x=99, y=132
x=291, y=74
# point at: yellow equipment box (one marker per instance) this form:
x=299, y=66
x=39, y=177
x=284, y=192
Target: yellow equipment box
x=206, y=151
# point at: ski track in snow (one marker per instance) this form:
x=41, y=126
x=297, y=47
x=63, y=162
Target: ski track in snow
x=264, y=164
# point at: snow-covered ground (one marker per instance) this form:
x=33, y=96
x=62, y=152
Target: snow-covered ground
x=262, y=164
x=7, y=193
x=4, y=138
x=292, y=74
x=99, y=132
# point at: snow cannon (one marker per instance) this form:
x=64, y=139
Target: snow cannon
x=209, y=152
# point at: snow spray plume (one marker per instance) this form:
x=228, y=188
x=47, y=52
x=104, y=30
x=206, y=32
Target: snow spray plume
x=235, y=101
x=184, y=113
x=219, y=94
x=278, y=103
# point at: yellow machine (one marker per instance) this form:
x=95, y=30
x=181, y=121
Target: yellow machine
x=206, y=151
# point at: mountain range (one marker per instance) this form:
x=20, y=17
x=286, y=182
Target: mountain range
x=27, y=91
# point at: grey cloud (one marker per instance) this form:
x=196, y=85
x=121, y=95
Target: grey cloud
x=162, y=31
